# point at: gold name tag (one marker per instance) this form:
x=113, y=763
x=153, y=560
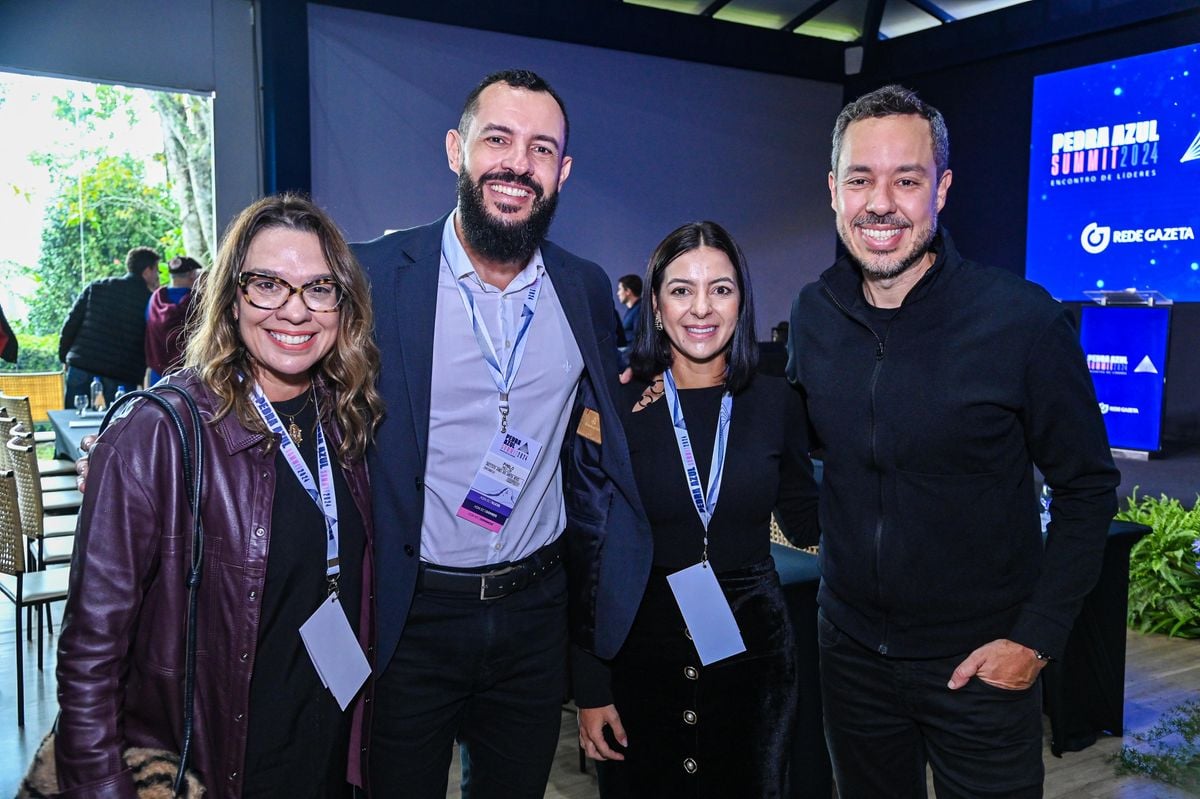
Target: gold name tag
x=589, y=425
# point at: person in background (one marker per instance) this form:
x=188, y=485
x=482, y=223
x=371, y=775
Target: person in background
x=629, y=294
x=715, y=449
x=165, y=315
x=934, y=386
x=104, y=335
x=773, y=354
x=283, y=368
x=8, y=340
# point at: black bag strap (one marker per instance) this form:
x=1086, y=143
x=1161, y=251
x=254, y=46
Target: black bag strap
x=193, y=478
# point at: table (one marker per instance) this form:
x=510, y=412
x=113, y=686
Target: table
x=69, y=430
x=1084, y=693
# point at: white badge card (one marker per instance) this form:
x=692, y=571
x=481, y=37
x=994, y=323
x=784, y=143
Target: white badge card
x=499, y=481
x=706, y=612
x=335, y=652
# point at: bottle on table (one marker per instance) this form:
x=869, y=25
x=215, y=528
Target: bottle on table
x=97, y=394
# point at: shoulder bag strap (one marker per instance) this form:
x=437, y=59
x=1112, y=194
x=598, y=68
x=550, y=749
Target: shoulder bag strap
x=193, y=476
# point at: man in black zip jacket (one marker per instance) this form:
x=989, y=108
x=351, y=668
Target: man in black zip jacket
x=104, y=335
x=934, y=386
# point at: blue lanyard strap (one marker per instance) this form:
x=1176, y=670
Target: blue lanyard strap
x=323, y=495
x=704, y=500
x=502, y=375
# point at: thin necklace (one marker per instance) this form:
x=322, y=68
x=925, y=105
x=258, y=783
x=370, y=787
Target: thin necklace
x=293, y=430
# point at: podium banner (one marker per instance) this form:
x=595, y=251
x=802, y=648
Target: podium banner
x=1126, y=351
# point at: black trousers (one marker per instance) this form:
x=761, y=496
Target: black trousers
x=706, y=732
x=489, y=673
x=886, y=718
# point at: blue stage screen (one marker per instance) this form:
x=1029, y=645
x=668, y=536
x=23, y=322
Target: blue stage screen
x=1114, y=177
x=1126, y=351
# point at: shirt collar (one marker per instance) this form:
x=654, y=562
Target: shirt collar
x=456, y=258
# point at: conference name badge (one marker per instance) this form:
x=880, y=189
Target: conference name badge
x=706, y=613
x=501, y=478
x=334, y=651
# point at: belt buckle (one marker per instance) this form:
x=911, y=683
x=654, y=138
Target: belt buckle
x=483, y=578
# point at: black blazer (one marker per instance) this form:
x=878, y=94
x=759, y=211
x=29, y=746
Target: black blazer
x=606, y=527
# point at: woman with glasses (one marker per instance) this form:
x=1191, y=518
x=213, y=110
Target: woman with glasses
x=281, y=362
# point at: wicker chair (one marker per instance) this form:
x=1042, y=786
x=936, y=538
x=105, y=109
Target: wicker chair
x=54, y=482
x=777, y=537
x=50, y=551
x=20, y=409
x=23, y=410
x=6, y=425
x=41, y=391
x=24, y=589
x=37, y=522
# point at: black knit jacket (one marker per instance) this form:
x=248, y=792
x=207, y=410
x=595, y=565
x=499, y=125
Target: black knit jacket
x=105, y=333
x=930, y=539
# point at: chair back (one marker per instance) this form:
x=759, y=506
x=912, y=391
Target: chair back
x=18, y=408
x=6, y=426
x=42, y=391
x=12, y=543
x=29, y=485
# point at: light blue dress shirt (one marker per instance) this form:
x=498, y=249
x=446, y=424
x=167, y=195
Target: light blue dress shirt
x=464, y=411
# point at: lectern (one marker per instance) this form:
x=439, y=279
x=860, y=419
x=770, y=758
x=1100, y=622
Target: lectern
x=1124, y=336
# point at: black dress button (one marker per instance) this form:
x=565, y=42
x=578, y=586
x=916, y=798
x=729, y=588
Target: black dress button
x=408, y=550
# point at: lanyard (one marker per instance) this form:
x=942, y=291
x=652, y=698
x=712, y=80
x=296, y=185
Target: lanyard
x=324, y=496
x=705, y=501
x=502, y=376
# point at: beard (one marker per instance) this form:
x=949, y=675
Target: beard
x=495, y=239
x=887, y=266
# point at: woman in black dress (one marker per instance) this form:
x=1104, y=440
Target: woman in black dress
x=715, y=450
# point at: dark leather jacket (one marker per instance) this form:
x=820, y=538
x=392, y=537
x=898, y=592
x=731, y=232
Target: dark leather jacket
x=121, y=651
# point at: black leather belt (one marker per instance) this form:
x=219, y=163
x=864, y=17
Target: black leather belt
x=492, y=582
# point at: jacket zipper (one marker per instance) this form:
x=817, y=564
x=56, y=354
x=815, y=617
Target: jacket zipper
x=880, y=348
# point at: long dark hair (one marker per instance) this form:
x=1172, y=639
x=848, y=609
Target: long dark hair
x=651, y=353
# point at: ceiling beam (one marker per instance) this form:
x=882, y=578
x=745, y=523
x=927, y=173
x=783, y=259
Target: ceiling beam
x=636, y=29
x=933, y=10
x=869, y=41
x=807, y=14
x=1015, y=29
x=871, y=22
x=714, y=7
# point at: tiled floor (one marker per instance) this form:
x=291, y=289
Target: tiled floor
x=41, y=705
